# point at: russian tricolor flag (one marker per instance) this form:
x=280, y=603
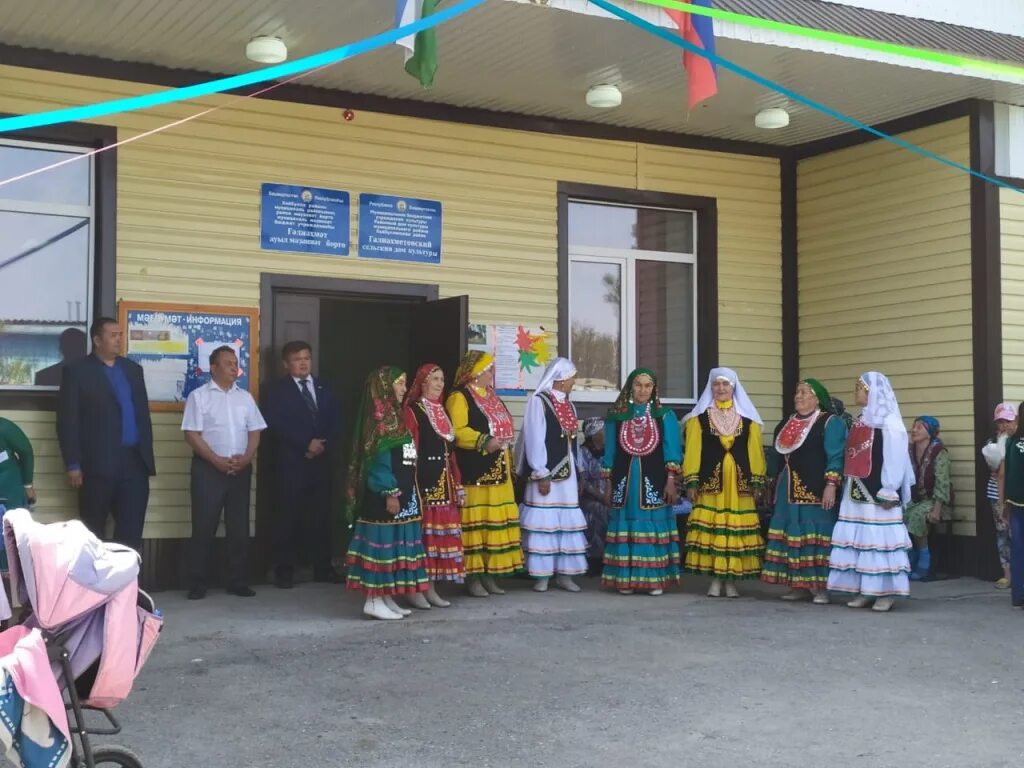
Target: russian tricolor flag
x=701, y=74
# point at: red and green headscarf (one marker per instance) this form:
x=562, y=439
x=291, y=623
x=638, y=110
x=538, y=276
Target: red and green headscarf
x=379, y=427
x=622, y=408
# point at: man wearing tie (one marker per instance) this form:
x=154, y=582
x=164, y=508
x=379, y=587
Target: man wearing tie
x=302, y=416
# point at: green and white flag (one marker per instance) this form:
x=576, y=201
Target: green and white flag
x=420, y=49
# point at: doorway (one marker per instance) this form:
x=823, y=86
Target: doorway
x=354, y=327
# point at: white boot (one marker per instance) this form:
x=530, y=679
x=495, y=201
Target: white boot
x=626, y=591
x=475, y=588
x=390, y=603
x=541, y=584
x=419, y=600
x=375, y=608
x=882, y=604
x=564, y=581
x=859, y=602
x=730, y=590
x=435, y=599
x=821, y=596
x=656, y=592
x=796, y=594
x=715, y=590
x=492, y=586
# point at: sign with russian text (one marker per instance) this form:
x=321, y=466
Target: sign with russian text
x=400, y=228
x=173, y=343
x=304, y=219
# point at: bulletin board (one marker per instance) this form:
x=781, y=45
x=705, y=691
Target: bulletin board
x=173, y=342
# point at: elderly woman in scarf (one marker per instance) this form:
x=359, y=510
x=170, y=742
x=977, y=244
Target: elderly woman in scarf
x=642, y=454
x=385, y=557
x=437, y=477
x=545, y=454
x=870, y=540
x=594, y=490
x=810, y=445
x=484, y=432
x=724, y=471
x=931, y=494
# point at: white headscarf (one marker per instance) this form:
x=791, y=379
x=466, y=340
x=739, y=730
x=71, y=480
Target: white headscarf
x=741, y=401
x=559, y=369
x=883, y=412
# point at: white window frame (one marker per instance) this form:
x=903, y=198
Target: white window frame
x=87, y=211
x=626, y=259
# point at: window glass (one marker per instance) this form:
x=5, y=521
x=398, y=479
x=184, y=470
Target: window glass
x=595, y=299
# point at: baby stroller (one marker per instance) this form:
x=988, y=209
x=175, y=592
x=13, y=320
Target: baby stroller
x=88, y=632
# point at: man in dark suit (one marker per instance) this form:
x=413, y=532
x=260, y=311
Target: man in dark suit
x=302, y=416
x=106, y=436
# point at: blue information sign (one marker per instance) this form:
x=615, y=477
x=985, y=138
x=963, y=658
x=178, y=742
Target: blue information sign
x=304, y=219
x=400, y=228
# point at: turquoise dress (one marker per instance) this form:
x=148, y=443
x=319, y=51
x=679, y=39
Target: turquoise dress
x=800, y=535
x=642, y=547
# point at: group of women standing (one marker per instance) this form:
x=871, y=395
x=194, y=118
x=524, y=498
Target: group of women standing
x=431, y=489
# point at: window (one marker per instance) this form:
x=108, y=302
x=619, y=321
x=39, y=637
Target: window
x=46, y=263
x=632, y=297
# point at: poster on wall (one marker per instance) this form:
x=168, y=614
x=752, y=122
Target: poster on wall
x=520, y=354
x=304, y=219
x=399, y=228
x=173, y=343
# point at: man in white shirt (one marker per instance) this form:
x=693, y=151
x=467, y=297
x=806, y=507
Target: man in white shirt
x=222, y=426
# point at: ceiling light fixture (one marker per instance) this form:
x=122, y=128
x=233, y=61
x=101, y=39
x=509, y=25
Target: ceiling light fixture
x=264, y=49
x=604, y=96
x=772, y=119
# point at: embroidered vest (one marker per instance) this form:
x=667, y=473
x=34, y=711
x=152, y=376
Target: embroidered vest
x=433, y=465
x=864, y=463
x=924, y=471
x=1014, y=471
x=807, y=464
x=403, y=467
x=653, y=474
x=712, y=454
x=481, y=468
x=560, y=444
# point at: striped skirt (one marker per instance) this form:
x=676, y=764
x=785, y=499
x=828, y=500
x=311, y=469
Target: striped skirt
x=386, y=559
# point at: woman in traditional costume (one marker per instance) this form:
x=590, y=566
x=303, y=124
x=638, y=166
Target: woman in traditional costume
x=723, y=471
x=642, y=454
x=810, y=445
x=385, y=557
x=438, y=479
x=870, y=540
x=545, y=454
x=484, y=431
x=932, y=493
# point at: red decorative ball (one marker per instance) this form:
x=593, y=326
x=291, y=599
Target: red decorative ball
x=349, y=115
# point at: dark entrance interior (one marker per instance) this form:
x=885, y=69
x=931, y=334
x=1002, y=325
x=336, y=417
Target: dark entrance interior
x=354, y=327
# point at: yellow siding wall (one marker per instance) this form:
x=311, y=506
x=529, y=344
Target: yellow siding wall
x=188, y=202
x=1012, y=240
x=885, y=282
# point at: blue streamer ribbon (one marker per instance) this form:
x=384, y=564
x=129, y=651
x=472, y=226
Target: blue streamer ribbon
x=146, y=101
x=679, y=42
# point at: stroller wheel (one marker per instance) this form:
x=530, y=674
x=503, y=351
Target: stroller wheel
x=115, y=756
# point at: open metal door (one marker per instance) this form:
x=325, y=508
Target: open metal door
x=438, y=334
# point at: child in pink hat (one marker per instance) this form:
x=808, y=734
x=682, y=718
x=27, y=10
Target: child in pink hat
x=1005, y=424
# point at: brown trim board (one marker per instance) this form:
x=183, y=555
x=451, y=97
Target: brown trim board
x=987, y=331
x=707, y=263
x=790, y=283
x=152, y=74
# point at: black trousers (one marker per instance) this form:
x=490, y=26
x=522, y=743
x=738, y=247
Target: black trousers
x=124, y=496
x=214, y=493
x=302, y=516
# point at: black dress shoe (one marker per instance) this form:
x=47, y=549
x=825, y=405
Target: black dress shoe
x=196, y=593
x=241, y=592
x=283, y=578
x=328, y=576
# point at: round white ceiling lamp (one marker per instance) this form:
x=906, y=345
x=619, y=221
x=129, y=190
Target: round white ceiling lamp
x=264, y=49
x=772, y=119
x=604, y=96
